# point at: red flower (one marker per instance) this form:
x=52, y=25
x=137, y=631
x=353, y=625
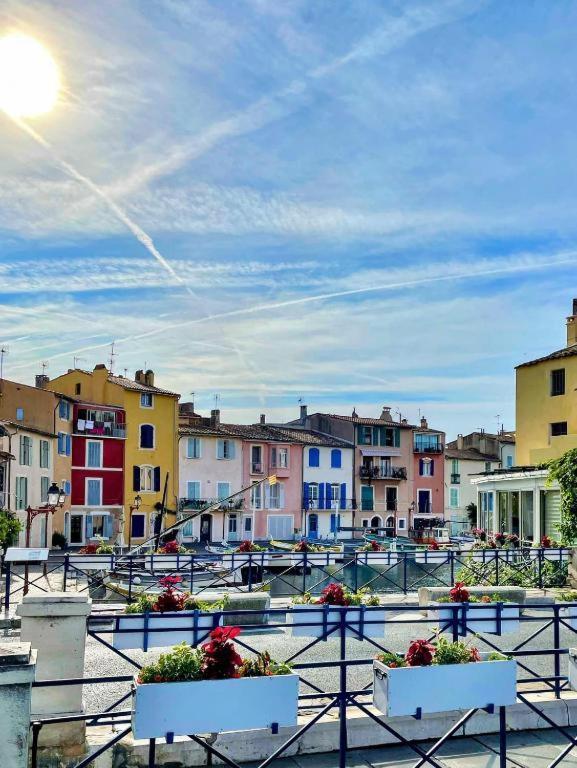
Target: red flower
x=433, y=546
x=376, y=547
x=459, y=594
x=334, y=594
x=546, y=542
x=302, y=546
x=474, y=654
x=420, y=653
x=170, y=548
x=245, y=546
x=221, y=660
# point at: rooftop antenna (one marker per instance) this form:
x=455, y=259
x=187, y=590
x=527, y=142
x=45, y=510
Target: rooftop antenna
x=192, y=395
x=300, y=401
x=111, y=358
x=44, y=367
x=216, y=399
x=125, y=372
x=76, y=360
x=498, y=417
x=4, y=350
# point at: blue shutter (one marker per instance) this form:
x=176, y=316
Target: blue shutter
x=343, y=496
x=135, y=478
x=108, y=527
x=231, y=447
x=432, y=467
x=306, y=500
x=89, y=529
x=335, y=458
x=156, y=478
x=321, y=495
x=313, y=457
x=146, y=436
x=421, y=467
x=68, y=445
x=67, y=487
x=333, y=522
x=397, y=438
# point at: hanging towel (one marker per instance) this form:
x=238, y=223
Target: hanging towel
x=81, y=423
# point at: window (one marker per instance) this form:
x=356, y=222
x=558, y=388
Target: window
x=77, y=388
x=335, y=458
x=146, y=478
x=427, y=442
x=102, y=526
x=454, y=497
x=314, y=457
x=276, y=496
x=365, y=435
x=557, y=428
x=94, y=492
x=279, y=457
x=44, y=454
x=426, y=468
x=313, y=495
x=280, y=526
x=19, y=414
x=64, y=410
x=93, y=453
x=146, y=400
x=137, y=525
x=401, y=523
x=509, y=461
x=193, y=490
x=25, y=451
x=44, y=486
x=487, y=466
x=146, y=436
x=225, y=449
x=256, y=497
x=66, y=487
x=256, y=459
x=335, y=493
x=193, y=448
x=232, y=525
x=21, y=492
x=64, y=444
x=248, y=525
x=455, y=466
x=222, y=491
x=558, y=382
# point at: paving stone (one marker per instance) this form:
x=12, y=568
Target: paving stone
x=355, y=759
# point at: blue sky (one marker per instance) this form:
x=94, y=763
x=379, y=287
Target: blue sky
x=356, y=203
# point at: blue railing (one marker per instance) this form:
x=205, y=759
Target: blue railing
x=540, y=646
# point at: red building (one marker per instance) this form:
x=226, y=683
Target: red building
x=97, y=475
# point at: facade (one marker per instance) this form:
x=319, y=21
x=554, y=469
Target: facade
x=428, y=502
x=150, y=445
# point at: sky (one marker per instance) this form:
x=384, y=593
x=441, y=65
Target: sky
x=345, y=203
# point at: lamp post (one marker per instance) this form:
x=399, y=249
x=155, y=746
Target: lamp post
x=56, y=498
x=136, y=505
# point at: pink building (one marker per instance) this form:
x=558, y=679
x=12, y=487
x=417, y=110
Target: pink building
x=428, y=503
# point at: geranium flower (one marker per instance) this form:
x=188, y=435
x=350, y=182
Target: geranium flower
x=459, y=593
x=420, y=653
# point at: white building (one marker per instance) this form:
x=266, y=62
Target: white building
x=460, y=468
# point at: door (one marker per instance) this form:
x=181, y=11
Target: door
x=232, y=528
x=391, y=498
x=247, y=528
x=367, y=498
x=424, y=502
x=76, y=529
x=205, y=528
x=313, y=526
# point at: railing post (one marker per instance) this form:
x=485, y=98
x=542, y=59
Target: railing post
x=7, y=586
x=540, y=566
x=356, y=569
x=130, y=558
x=502, y=737
x=456, y=609
x=65, y=577
x=556, y=656
x=497, y=557
x=343, y=692
x=452, y=555
x=17, y=669
x=191, y=573
x=404, y=556
x=305, y=561
x=250, y=571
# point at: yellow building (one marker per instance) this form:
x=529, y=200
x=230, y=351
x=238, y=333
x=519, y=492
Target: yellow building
x=546, y=405
x=150, y=447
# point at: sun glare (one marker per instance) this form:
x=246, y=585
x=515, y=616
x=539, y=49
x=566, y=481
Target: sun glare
x=29, y=77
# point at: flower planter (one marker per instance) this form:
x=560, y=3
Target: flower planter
x=569, y=615
x=182, y=626
x=212, y=706
x=92, y=562
x=356, y=616
x=402, y=691
x=482, y=555
x=167, y=562
x=242, y=559
x=315, y=559
x=553, y=554
x=377, y=558
x=477, y=617
x=435, y=557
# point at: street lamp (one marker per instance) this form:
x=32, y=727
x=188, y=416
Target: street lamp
x=136, y=505
x=55, y=498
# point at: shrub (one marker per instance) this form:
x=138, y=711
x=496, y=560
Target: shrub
x=393, y=660
x=59, y=540
x=453, y=653
x=249, y=546
x=336, y=594
x=522, y=574
x=10, y=527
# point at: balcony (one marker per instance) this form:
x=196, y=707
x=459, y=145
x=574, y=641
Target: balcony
x=424, y=509
x=99, y=429
x=455, y=479
x=428, y=448
x=383, y=473
x=256, y=468
x=314, y=505
x=378, y=506
x=193, y=505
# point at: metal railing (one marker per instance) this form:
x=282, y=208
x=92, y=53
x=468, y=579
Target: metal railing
x=194, y=504
x=428, y=448
x=539, y=645
x=383, y=473
x=455, y=478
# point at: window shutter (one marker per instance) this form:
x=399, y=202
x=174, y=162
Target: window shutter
x=421, y=467
x=382, y=436
x=108, y=527
x=376, y=436
x=68, y=445
x=89, y=528
x=157, y=478
x=135, y=478
x=333, y=522
x=219, y=449
x=321, y=495
x=343, y=504
x=281, y=495
x=432, y=467
x=231, y=448
x=305, y=495
x=396, y=438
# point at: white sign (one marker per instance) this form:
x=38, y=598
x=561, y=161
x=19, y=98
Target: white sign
x=25, y=555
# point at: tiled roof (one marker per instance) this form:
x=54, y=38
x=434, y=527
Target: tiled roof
x=469, y=454
x=366, y=421
x=310, y=437
x=201, y=430
x=137, y=386
x=558, y=355
x=265, y=432
x=23, y=427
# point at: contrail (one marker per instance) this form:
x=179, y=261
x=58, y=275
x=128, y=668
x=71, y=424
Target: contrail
x=512, y=268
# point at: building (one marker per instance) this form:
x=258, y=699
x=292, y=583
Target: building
x=150, y=445
x=466, y=457
x=428, y=501
x=31, y=418
x=518, y=499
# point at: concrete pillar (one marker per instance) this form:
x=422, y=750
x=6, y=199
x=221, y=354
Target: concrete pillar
x=55, y=624
x=17, y=667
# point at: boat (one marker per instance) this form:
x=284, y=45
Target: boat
x=398, y=544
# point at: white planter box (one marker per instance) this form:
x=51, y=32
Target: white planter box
x=569, y=615
x=186, y=626
x=243, y=559
x=482, y=555
x=212, y=706
x=316, y=559
x=480, y=617
x=92, y=562
x=316, y=613
x=376, y=558
x=556, y=555
x=436, y=557
x=167, y=562
x=401, y=692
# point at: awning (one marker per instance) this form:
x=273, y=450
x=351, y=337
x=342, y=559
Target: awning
x=380, y=451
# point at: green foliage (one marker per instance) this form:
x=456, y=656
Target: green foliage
x=263, y=666
x=59, y=540
x=393, y=660
x=567, y=597
x=10, y=527
x=521, y=574
x=496, y=656
x=146, y=603
x=471, y=510
x=180, y=664
x=451, y=653
x=564, y=471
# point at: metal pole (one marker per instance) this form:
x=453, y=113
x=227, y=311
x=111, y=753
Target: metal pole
x=27, y=544
x=502, y=737
x=7, y=569
x=343, y=693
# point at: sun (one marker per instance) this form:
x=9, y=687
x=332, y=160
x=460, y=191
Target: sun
x=29, y=77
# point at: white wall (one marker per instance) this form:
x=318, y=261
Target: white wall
x=324, y=473
x=466, y=490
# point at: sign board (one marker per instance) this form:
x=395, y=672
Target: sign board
x=26, y=555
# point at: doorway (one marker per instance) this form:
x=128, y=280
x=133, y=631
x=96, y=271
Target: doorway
x=76, y=532
x=205, y=528
x=367, y=498
x=424, y=502
x=313, y=526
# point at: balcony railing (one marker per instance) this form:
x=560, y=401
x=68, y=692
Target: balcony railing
x=424, y=509
x=192, y=505
x=455, y=478
x=378, y=506
x=100, y=429
x=428, y=448
x=383, y=473
x=314, y=505
x=256, y=468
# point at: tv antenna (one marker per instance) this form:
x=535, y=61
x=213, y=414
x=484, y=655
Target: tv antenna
x=76, y=360
x=498, y=417
x=4, y=350
x=112, y=356
x=216, y=400
x=45, y=365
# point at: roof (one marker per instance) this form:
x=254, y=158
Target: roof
x=5, y=456
x=367, y=421
x=23, y=427
x=310, y=437
x=265, y=432
x=201, y=430
x=558, y=355
x=469, y=454
x=137, y=386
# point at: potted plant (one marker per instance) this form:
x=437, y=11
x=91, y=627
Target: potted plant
x=484, y=550
x=169, y=557
x=569, y=612
x=167, y=618
x=305, y=553
x=247, y=553
x=373, y=553
x=549, y=549
x=441, y=676
x=432, y=554
x=93, y=557
x=361, y=611
x=489, y=614
x=212, y=689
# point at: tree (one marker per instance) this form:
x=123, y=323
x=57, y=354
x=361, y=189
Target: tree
x=564, y=471
x=472, y=514
x=10, y=527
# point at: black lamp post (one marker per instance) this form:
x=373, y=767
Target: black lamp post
x=56, y=498
x=136, y=505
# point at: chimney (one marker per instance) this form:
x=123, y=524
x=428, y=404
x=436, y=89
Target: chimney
x=149, y=378
x=139, y=377
x=263, y=418
x=460, y=442
x=215, y=417
x=572, y=326
x=355, y=415
x=303, y=413
x=424, y=424
x=386, y=413
x=42, y=381
x=404, y=421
